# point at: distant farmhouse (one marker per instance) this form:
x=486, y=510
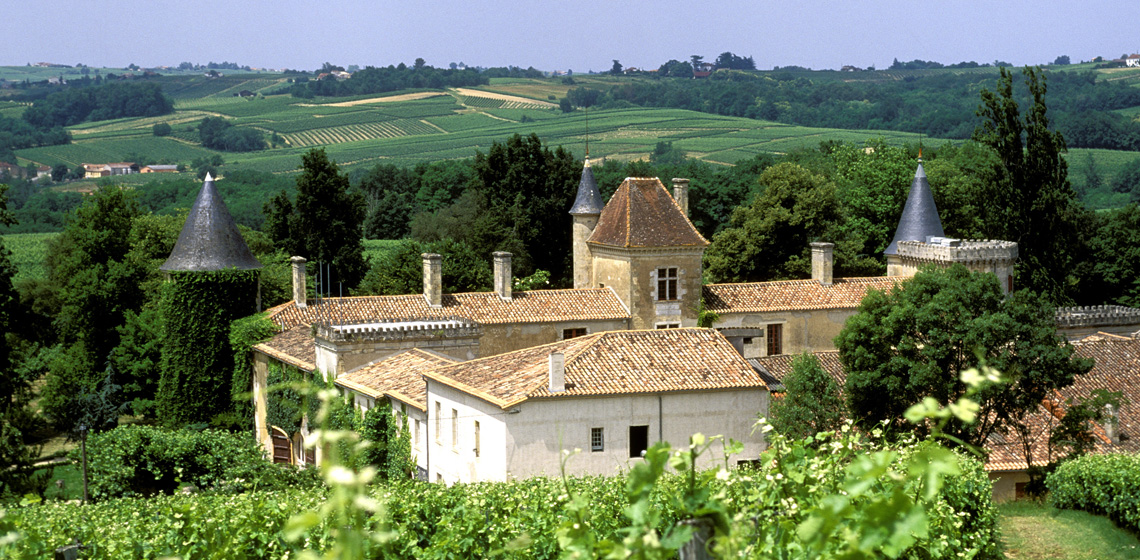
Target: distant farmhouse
x=97, y=170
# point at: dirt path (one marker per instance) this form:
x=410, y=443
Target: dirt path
x=502, y=97
x=389, y=99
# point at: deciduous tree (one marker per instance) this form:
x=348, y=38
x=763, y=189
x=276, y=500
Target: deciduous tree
x=811, y=401
x=914, y=342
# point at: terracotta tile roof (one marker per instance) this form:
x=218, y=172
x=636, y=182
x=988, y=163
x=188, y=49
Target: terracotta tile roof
x=397, y=376
x=642, y=213
x=1117, y=368
x=487, y=308
x=790, y=295
x=780, y=366
x=293, y=346
x=609, y=363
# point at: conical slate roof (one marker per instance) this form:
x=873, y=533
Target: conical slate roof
x=919, y=217
x=589, y=200
x=210, y=239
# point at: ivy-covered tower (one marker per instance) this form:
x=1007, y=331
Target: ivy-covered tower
x=213, y=278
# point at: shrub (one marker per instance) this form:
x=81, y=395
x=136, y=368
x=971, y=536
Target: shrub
x=1100, y=484
x=146, y=460
x=161, y=129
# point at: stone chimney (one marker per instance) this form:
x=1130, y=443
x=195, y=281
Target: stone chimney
x=681, y=194
x=557, y=372
x=1111, y=421
x=503, y=276
x=433, y=279
x=822, y=262
x=298, y=280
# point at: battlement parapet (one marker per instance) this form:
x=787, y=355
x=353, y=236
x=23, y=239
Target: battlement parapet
x=956, y=251
x=1097, y=316
x=399, y=329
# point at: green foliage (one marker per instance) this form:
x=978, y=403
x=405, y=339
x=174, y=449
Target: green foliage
x=1100, y=484
x=390, y=451
x=401, y=271
x=219, y=134
x=161, y=129
x=1109, y=275
x=144, y=460
x=770, y=238
x=287, y=401
x=244, y=334
x=1031, y=201
x=197, y=359
x=325, y=224
x=110, y=101
x=913, y=342
x=811, y=401
x=873, y=180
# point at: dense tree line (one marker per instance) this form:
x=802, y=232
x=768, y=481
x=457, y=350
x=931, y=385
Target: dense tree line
x=16, y=134
x=391, y=78
x=941, y=105
x=109, y=101
x=217, y=133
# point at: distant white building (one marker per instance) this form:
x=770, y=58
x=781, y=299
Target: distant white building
x=1132, y=60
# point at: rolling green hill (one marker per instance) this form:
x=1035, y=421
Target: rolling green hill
x=413, y=126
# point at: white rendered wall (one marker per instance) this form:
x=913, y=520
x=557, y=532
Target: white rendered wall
x=530, y=442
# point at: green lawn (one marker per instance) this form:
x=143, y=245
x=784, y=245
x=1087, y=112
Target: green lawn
x=1034, y=531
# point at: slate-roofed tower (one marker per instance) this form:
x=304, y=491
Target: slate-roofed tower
x=586, y=209
x=210, y=239
x=649, y=253
x=919, y=218
x=213, y=279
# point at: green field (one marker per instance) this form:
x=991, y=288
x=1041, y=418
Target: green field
x=399, y=129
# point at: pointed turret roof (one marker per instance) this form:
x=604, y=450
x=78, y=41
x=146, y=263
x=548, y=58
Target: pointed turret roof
x=919, y=217
x=210, y=238
x=589, y=200
x=643, y=214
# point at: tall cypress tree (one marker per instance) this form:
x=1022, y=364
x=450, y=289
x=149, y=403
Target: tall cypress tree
x=1032, y=202
x=325, y=223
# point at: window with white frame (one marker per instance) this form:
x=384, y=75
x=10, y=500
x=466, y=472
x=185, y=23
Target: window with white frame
x=438, y=422
x=476, y=438
x=667, y=284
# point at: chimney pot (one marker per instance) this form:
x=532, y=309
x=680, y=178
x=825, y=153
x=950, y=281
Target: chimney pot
x=681, y=194
x=557, y=372
x=433, y=279
x=503, y=273
x=298, y=280
x=822, y=262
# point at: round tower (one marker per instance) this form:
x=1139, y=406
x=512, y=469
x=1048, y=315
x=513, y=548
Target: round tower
x=586, y=209
x=213, y=279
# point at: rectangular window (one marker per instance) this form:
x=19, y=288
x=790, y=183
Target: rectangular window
x=666, y=284
x=476, y=438
x=567, y=334
x=775, y=340
x=597, y=439
x=638, y=440
x=417, y=434
x=668, y=325
x=454, y=429
x=438, y=422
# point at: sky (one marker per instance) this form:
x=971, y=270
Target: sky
x=579, y=36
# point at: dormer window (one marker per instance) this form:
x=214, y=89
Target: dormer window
x=667, y=284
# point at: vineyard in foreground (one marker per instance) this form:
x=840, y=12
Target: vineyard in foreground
x=818, y=498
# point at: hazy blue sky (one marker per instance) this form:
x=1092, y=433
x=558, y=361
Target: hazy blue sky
x=561, y=35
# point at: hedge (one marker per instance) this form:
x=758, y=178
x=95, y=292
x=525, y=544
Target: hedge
x=1100, y=484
